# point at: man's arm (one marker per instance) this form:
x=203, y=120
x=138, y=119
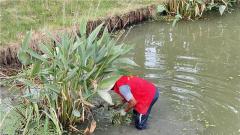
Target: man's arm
x=127, y=94
x=131, y=103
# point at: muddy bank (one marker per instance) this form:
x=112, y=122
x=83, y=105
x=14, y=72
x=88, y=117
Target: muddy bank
x=8, y=53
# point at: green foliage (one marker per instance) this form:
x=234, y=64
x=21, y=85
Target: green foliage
x=193, y=9
x=58, y=85
x=161, y=8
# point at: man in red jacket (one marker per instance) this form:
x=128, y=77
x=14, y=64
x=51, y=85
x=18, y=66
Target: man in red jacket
x=140, y=95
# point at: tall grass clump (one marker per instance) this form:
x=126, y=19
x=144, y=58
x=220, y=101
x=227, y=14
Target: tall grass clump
x=58, y=85
x=194, y=9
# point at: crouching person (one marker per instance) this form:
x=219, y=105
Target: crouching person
x=140, y=96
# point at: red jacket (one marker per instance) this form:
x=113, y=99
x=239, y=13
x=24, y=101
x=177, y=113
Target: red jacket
x=142, y=90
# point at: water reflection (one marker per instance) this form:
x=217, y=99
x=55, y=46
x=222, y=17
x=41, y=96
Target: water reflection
x=151, y=59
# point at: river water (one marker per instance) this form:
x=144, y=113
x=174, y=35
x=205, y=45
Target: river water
x=197, y=66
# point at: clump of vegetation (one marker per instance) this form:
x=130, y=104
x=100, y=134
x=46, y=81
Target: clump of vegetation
x=117, y=119
x=193, y=9
x=58, y=85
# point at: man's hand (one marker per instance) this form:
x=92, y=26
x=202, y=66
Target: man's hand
x=131, y=103
x=122, y=112
x=118, y=105
x=115, y=106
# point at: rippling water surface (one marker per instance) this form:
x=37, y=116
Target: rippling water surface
x=197, y=66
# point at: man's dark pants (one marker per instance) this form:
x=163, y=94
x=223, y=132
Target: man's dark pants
x=140, y=119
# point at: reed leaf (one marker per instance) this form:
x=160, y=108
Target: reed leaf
x=46, y=49
x=94, y=34
x=108, y=82
x=35, y=55
x=126, y=61
x=104, y=94
x=35, y=69
x=23, y=57
x=26, y=41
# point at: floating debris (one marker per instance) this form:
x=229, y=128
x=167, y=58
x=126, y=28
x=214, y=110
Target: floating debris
x=212, y=125
x=184, y=129
x=202, y=90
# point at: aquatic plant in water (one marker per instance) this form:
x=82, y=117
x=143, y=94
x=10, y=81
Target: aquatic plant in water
x=192, y=9
x=58, y=85
x=117, y=119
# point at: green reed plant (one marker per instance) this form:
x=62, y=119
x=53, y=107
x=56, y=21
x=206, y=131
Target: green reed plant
x=193, y=9
x=58, y=85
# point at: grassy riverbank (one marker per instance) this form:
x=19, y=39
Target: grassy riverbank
x=17, y=17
